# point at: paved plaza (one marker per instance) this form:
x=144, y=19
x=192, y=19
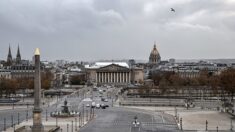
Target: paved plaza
x=195, y=118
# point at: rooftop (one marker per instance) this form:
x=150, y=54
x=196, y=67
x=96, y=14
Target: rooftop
x=103, y=64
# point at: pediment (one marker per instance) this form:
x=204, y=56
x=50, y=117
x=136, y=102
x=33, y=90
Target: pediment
x=113, y=67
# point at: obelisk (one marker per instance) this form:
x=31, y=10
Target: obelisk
x=37, y=120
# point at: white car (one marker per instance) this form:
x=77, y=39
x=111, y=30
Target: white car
x=93, y=105
x=87, y=105
x=97, y=106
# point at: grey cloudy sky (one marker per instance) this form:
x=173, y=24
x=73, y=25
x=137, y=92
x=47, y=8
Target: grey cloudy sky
x=117, y=29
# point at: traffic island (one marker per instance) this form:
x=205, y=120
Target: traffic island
x=46, y=129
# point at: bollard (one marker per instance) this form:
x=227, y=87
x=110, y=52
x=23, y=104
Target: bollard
x=26, y=115
x=14, y=127
x=4, y=124
x=72, y=126
x=76, y=124
x=56, y=121
x=12, y=120
x=83, y=114
x=93, y=112
x=112, y=102
x=175, y=112
x=217, y=129
x=46, y=115
x=178, y=118
x=86, y=115
x=90, y=112
x=206, y=124
x=18, y=118
x=79, y=120
x=231, y=125
x=181, y=125
x=67, y=127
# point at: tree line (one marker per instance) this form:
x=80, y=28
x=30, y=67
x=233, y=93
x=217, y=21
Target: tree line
x=11, y=86
x=224, y=80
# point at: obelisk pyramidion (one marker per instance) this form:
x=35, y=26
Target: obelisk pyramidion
x=37, y=120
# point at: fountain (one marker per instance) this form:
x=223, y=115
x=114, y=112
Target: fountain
x=65, y=112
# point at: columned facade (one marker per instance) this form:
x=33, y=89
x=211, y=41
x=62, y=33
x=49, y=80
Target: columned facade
x=113, y=77
x=114, y=74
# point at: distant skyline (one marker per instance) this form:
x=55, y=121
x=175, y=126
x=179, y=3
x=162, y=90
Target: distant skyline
x=88, y=30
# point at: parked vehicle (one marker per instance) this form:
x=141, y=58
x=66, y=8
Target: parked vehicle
x=93, y=105
x=97, y=106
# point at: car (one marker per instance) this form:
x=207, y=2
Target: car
x=97, y=106
x=102, y=99
x=87, y=105
x=93, y=105
x=106, y=105
x=106, y=100
x=102, y=106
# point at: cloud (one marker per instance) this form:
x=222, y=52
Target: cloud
x=104, y=29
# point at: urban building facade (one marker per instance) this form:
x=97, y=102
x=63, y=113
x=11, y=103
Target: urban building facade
x=115, y=73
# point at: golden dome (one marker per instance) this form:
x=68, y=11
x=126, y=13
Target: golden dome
x=154, y=55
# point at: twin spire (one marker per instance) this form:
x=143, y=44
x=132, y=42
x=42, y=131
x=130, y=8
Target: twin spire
x=9, y=56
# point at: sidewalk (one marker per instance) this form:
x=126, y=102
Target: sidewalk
x=195, y=119
x=65, y=124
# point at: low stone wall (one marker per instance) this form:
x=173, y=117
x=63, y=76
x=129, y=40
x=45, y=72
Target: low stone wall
x=148, y=103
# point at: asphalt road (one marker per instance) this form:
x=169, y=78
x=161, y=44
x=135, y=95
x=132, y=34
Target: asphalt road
x=20, y=115
x=111, y=119
x=119, y=119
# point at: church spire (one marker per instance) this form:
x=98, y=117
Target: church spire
x=9, y=56
x=18, y=56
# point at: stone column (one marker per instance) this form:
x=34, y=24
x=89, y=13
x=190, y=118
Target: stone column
x=105, y=77
x=114, y=77
x=126, y=77
x=118, y=77
x=108, y=77
x=111, y=77
x=129, y=77
x=37, y=119
x=102, y=77
x=123, y=77
x=96, y=77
